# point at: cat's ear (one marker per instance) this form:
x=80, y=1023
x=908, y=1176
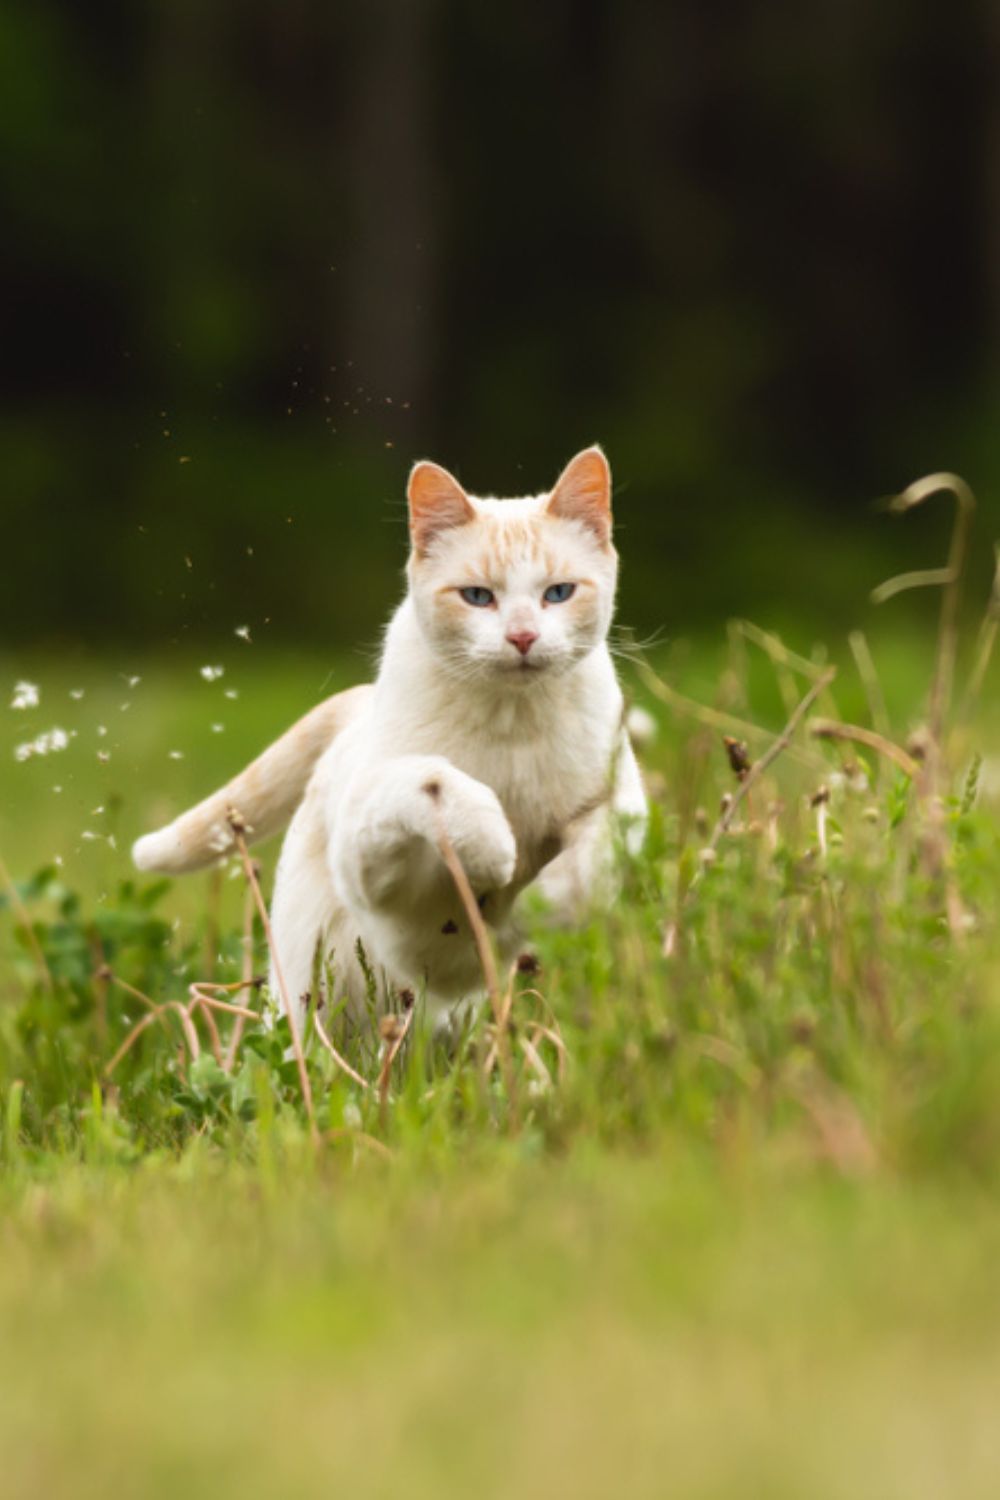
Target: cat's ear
x=437, y=502
x=583, y=493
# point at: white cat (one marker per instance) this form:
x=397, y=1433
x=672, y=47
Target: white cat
x=496, y=710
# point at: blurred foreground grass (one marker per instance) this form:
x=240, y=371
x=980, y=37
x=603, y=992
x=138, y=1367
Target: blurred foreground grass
x=738, y=1238
x=653, y=1324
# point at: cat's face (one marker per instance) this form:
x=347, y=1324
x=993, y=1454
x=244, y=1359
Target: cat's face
x=513, y=589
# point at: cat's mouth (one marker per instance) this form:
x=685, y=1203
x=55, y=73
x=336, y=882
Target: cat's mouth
x=523, y=667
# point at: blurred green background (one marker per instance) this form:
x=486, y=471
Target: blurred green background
x=258, y=258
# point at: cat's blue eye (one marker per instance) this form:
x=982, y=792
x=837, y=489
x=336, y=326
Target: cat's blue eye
x=558, y=593
x=480, y=597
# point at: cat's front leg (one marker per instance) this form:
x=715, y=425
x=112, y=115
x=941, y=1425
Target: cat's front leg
x=384, y=848
x=586, y=875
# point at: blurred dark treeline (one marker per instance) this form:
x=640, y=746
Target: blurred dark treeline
x=259, y=257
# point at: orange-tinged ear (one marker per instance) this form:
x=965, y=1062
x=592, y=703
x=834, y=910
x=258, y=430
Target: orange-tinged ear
x=583, y=493
x=437, y=502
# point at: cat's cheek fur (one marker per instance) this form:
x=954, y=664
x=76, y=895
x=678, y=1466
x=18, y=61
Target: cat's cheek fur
x=579, y=624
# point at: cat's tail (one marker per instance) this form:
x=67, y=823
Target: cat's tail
x=265, y=794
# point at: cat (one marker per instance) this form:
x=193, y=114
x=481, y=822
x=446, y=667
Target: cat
x=496, y=714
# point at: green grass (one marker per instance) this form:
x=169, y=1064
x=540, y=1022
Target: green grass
x=501, y=1327
x=745, y=1246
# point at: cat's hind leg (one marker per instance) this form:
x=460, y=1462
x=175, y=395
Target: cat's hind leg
x=301, y=906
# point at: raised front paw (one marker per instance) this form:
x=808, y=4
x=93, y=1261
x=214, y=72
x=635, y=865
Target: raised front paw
x=471, y=815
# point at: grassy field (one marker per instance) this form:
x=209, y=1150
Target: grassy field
x=725, y=1226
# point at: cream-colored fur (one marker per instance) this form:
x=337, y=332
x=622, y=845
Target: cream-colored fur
x=504, y=721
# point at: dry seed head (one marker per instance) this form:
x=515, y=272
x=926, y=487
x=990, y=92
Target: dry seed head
x=820, y=796
x=390, y=1029
x=739, y=755
x=527, y=963
x=802, y=1028
x=236, y=820
x=920, y=743
x=663, y=1038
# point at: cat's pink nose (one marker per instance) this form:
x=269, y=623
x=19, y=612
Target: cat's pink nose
x=523, y=640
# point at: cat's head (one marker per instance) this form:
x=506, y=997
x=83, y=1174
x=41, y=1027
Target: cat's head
x=513, y=589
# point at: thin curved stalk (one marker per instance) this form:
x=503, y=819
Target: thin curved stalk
x=950, y=579
x=832, y=729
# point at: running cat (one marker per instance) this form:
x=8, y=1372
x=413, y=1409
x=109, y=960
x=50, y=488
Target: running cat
x=496, y=713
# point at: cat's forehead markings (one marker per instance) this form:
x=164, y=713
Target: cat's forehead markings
x=509, y=554
x=508, y=541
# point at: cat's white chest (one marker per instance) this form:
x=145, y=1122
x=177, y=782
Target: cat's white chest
x=544, y=781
